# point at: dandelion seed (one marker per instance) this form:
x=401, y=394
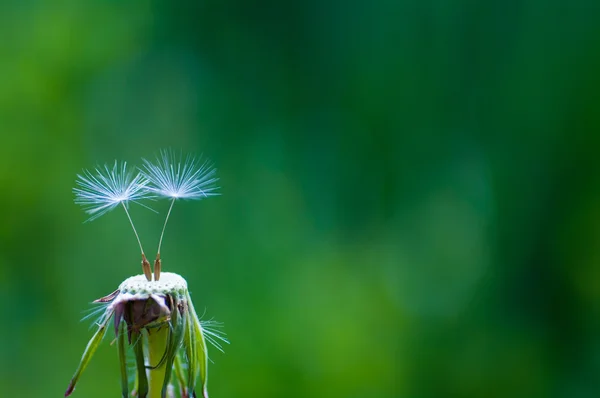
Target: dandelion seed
x=171, y=178
x=108, y=188
x=101, y=192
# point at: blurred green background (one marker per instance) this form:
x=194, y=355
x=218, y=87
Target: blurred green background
x=410, y=190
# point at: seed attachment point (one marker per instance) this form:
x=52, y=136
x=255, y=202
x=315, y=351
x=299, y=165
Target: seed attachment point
x=157, y=267
x=146, y=268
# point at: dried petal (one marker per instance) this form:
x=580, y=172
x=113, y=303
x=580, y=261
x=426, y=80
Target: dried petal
x=108, y=298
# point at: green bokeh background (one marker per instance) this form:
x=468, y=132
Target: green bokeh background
x=410, y=190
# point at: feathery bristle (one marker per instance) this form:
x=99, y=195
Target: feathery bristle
x=173, y=178
x=103, y=191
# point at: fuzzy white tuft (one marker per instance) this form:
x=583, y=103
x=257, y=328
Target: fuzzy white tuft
x=101, y=192
x=173, y=178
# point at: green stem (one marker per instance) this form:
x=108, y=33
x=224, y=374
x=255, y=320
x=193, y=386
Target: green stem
x=157, y=345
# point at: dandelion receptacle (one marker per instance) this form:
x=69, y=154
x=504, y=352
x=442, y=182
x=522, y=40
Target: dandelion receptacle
x=152, y=314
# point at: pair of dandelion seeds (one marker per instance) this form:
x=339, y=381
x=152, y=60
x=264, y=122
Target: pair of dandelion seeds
x=152, y=311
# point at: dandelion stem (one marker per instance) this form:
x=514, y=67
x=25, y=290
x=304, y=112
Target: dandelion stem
x=145, y=263
x=157, y=262
x=133, y=226
x=157, y=345
x=165, y=225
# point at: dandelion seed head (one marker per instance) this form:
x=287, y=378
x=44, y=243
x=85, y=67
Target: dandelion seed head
x=174, y=178
x=106, y=188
